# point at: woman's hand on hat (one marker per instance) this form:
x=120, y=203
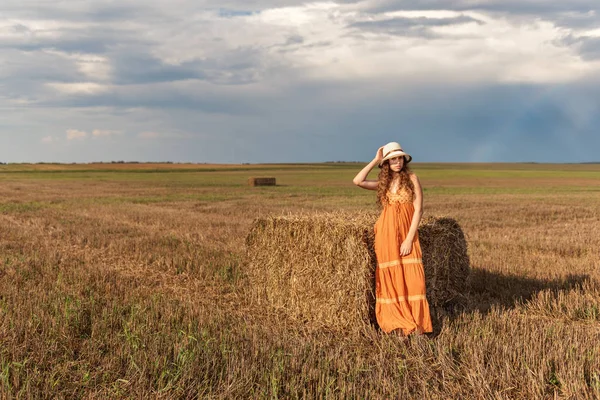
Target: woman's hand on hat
x=379, y=155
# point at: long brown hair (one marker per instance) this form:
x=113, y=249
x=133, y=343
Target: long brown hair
x=385, y=178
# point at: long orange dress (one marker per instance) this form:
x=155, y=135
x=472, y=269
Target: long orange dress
x=399, y=281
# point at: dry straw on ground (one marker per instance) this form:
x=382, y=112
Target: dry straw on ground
x=319, y=268
x=262, y=181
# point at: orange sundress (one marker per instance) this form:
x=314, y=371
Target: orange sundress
x=401, y=301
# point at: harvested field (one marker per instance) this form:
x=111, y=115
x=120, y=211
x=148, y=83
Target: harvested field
x=129, y=281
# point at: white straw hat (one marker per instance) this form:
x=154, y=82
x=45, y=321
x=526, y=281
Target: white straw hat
x=393, y=149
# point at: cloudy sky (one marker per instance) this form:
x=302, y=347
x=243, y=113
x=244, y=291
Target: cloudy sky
x=235, y=81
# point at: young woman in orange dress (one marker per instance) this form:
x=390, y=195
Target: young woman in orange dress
x=401, y=302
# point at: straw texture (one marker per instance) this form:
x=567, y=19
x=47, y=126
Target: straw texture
x=320, y=268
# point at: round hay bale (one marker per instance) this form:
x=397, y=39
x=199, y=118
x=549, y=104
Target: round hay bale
x=445, y=260
x=320, y=268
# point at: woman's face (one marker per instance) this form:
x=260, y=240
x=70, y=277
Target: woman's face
x=396, y=163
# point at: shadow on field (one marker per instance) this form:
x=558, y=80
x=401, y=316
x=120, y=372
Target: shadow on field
x=491, y=288
x=488, y=289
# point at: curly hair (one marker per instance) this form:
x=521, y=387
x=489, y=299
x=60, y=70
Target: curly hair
x=387, y=176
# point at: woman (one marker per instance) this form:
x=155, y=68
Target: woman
x=401, y=305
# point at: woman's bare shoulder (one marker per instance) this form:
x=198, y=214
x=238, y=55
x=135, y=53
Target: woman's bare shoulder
x=413, y=177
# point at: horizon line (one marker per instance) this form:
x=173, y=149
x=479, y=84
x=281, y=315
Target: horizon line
x=284, y=163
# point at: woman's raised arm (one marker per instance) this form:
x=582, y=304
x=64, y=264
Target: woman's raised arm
x=360, y=179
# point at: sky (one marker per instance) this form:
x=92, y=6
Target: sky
x=269, y=81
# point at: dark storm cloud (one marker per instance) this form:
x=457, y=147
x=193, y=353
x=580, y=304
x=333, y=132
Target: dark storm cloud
x=129, y=58
x=24, y=75
x=83, y=40
x=504, y=6
x=227, y=13
x=572, y=14
x=588, y=47
x=234, y=67
x=294, y=39
x=89, y=45
x=447, y=122
x=402, y=26
x=131, y=68
x=165, y=101
x=477, y=123
x=580, y=20
x=162, y=96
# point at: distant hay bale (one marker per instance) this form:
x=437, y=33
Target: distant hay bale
x=261, y=181
x=320, y=268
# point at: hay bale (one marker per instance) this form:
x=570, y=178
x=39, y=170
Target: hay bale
x=320, y=268
x=445, y=260
x=261, y=181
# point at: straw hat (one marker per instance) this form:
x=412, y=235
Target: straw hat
x=393, y=149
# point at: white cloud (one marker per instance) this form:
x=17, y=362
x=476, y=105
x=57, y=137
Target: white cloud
x=324, y=41
x=88, y=88
x=78, y=134
x=75, y=134
x=48, y=139
x=92, y=66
